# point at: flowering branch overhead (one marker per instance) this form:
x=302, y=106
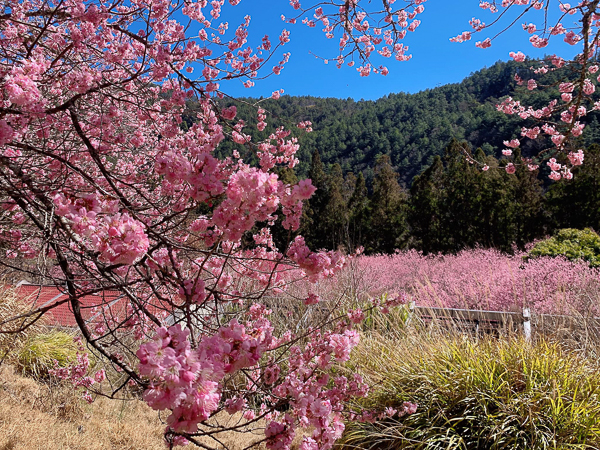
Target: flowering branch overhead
x=101, y=188
x=562, y=119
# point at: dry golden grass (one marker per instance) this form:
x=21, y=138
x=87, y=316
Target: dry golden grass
x=11, y=305
x=36, y=417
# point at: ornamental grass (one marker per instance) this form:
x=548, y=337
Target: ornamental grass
x=485, y=393
x=43, y=352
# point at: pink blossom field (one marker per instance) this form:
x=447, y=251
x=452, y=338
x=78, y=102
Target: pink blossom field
x=479, y=279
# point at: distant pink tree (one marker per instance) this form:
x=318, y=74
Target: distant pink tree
x=484, y=279
x=101, y=188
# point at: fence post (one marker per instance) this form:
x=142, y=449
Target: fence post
x=527, y=323
x=411, y=311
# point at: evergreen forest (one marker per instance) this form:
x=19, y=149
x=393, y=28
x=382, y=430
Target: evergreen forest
x=392, y=174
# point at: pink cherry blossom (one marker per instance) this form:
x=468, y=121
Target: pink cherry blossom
x=576, y=158
x=110, y=135
x=519, y=56
x=513, y=144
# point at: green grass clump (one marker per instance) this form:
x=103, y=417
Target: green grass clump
x=571, y=243
x=40, y=351
x=487, y=394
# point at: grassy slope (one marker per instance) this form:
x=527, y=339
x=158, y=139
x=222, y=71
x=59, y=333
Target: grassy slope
x=33, y=417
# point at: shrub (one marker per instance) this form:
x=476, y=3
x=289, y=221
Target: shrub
x=571, y=243
x=42, y=350
x=488, y=394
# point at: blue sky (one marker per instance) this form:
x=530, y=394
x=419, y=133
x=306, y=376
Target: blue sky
x=435, y=61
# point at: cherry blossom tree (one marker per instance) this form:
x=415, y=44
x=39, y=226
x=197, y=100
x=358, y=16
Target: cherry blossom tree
x=102, y=189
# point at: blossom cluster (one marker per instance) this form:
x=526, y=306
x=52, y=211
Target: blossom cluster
x=118, y=238
x=187, y=381
x=316, y=400
x=77, y=372
x=315, y=265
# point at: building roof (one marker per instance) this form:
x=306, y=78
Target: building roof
x=62, y=314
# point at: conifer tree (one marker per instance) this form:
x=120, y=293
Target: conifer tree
x=530, y=221
x=358, y=207
x=496, y=211
x=281, y=236
x=462, y=191
x=335, y=215
x=387, y=210
x=312, y=228
x=426, y=208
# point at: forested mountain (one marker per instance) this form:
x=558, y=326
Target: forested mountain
x=391, y=173
x=410, y=128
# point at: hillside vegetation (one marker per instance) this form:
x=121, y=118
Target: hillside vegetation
x=392, y=174
x=410, y=128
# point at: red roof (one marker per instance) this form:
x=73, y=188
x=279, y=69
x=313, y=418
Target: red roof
x=62, y=315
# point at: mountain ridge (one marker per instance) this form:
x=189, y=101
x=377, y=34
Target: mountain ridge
x=410, y=128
